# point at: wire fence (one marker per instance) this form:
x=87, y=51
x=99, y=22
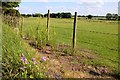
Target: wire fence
x=16, y=22
x=89, y=31
x=89, y=41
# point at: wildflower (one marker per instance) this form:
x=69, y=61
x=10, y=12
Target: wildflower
x=34, y=60
x=43, y=59
x=23, y=59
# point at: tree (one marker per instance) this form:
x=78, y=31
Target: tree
x=79, y=15
x=83, y=15
x=89, y=16
x=37, y=15
x=10, y=4
x=7, y=7
x=45, y=15
x=28, y=15
x=53, y=15
x=66, y=15
x=115, y=16
x=59, y=15
x=108, y=16
x=24, y=15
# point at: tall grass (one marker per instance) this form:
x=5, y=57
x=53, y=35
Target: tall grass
x=100, y=37
x=17, y=57
x=37, y=32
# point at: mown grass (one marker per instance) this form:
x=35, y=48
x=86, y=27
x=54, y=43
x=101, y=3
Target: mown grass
x=101, y=37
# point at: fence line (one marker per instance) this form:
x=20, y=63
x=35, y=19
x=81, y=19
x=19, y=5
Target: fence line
x=12, y=21
x=98, y=32
x=115, y=49
x=92, y=42
x=89, y=31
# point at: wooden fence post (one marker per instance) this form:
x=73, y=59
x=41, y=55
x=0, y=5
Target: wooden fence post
x=74, y=31
x=48, y=21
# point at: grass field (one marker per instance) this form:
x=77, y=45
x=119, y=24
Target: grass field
x=100, y=37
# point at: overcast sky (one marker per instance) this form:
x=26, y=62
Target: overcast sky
x=83, y=7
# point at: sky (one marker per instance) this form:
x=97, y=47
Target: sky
x=83, y=7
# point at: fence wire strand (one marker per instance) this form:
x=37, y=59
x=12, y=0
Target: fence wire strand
x=92, y=42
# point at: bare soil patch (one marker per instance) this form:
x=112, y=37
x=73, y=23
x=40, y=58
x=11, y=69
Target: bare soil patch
x=62, y=65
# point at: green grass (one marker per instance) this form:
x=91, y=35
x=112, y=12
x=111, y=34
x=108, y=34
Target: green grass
x=99, y=37
x=0, y=39
x=13, y=47
x=103, y=41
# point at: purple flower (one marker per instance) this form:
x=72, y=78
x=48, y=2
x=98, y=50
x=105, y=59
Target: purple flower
x=24, y=60
x=43, y=59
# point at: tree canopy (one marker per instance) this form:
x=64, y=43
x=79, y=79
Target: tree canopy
x=8, y=7
x=108, y=16
x=89, y=16
x=10, y=3
x=60, y=15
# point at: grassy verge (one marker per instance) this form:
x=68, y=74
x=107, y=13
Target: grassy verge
x=18, y=59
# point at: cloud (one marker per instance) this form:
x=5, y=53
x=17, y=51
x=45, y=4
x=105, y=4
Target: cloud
x=35, y=0
x=26, y=10
x=77, y=1
x=91, y=3
x=95, y=7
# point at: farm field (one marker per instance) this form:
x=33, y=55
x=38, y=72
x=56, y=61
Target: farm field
x=42, y=39
x=96, y=48
x=99, y=37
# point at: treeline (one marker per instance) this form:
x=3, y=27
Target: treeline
x=52, y=15
x=108, y=16
x=32, y=15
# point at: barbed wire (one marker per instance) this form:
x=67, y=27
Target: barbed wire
x=91, y=42
x=98, y=45
x=89, y=31
x=98, y=32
